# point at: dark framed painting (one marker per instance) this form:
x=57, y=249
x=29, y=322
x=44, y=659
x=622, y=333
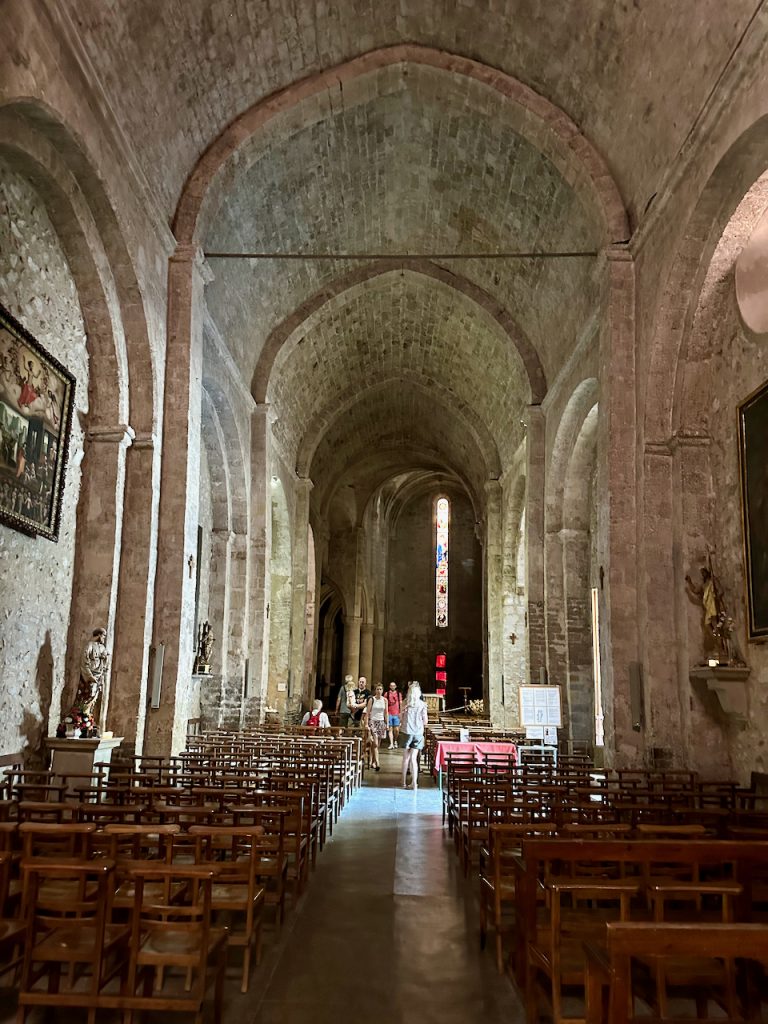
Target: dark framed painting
x=753, y=461
x=36, y=402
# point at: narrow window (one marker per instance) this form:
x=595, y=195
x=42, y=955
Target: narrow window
x=599, y=733
x=443, y=512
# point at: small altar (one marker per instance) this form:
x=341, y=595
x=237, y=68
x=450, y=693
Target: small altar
x=78, y=757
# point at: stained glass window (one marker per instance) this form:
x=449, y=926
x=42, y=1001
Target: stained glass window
x=441, y=562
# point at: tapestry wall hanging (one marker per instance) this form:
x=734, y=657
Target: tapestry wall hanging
x=36, y=402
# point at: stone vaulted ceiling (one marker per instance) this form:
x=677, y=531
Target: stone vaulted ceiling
x=410, y=368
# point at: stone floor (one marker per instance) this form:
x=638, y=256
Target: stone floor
x=386, y=932
x=388, y=929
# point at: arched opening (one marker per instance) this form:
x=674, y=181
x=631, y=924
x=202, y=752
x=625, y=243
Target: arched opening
x=330, y=645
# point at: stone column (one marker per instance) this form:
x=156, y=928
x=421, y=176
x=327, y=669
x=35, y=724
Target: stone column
x=98, y=549
x=534, y=529
x=366, y=652
x=617, y=520
x=657, y=572
x=300, y=553
x=235, y=642
x=493, y=548
x=212, y=696
x=378, y=656
x=578, y=629
x=259, y=548
x=554, y=604
x=127, y=711
x=352, y=646
x=694, y=533
x=177, y=541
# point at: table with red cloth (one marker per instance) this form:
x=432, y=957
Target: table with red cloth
x=480, y=748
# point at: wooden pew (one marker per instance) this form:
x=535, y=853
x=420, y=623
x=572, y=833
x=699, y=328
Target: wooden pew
x=610, y=987
x=540, y=859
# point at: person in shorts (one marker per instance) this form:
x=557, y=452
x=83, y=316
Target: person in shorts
x=394, y=708
x=414, y=723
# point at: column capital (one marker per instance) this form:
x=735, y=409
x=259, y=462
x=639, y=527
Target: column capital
x=352, y=620
x=144, y=441
x=194, y=256
x=119, y=434
x=304, y=484
x=367, y=628
x=533, y=414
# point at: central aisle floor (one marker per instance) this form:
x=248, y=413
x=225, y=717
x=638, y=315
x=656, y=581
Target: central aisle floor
x=388, y=929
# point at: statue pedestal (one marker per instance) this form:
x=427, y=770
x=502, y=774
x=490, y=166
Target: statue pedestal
x=78, y=757
x=729, y=684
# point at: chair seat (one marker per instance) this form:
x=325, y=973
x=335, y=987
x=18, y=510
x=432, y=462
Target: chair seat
x=11, y=929
x=233, y=896
x=75, y=939
x=159, y=943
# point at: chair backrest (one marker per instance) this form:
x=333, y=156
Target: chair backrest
x=63, y=888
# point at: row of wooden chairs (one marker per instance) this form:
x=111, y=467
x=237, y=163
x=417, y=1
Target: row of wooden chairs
x=114, y=883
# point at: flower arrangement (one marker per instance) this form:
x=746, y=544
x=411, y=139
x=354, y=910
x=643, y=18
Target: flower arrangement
x=77, y=725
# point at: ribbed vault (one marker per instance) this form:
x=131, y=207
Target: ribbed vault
x=418, y=162
x=399, y=328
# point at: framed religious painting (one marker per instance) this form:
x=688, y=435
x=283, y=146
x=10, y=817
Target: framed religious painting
x=753, y=461
x=36, y=403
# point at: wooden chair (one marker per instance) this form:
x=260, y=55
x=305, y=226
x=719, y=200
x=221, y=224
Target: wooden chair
x=12, y=929
x=73, y=933
x=497, y=877
x=170, y=932
x=611, y=981
x=234, y=854
x=272, y=861
x=555, y=957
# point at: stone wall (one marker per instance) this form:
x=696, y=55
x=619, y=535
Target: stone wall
x=412, y=639
x=37, y=287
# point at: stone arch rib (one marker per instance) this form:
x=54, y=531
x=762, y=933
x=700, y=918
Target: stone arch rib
x=577, y=151
x=426, y=268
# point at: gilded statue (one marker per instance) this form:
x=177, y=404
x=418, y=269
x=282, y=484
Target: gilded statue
x=717, y=624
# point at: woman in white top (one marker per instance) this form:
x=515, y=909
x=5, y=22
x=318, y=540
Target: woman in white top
x=376, y=715
x=413, y=725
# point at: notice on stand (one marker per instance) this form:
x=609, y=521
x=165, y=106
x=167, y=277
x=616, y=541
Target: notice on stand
x=540, y=705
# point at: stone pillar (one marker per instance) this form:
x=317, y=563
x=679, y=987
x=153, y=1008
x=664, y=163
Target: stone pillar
x=617, y=520
x=534, y=529
x=98, y=549
x=657, y=569
x=694, y=532
x=218, y=615
x=352, y=646
x=297, y=686
x=258, y=572
x=554, y=604
x=127, y=711
x=493, y=552
x=578, y=631
x=366, y=653
x=177, y=540
x=378, y=656
x=235, y=642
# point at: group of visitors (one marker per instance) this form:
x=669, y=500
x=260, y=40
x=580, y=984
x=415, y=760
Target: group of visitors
x=383, y=715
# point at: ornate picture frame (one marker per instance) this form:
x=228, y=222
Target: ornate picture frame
x=753, y=466
x=36, y=406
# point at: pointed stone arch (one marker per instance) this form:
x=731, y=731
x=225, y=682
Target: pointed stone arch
x=543, y=123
